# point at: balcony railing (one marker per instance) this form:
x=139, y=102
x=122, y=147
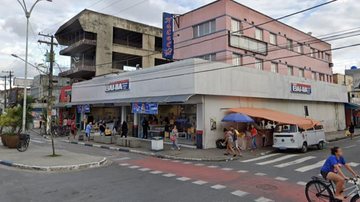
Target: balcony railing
x=249, y=44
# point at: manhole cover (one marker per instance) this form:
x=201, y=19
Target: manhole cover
x=267, y=187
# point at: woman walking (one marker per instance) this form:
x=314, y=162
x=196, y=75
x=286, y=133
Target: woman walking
x=351, y=130
x=174, y=138
x=229, y=141
x=253, y=133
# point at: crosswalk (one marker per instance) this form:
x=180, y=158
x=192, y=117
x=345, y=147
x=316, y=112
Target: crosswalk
x=301, y=163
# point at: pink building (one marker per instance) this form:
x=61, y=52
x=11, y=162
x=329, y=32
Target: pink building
x=225, y=31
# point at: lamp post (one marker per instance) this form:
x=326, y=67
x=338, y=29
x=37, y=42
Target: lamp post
x=27, y=15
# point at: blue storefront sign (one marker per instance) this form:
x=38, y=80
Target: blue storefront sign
x=83, y=109
x=168, y=36
x=122, y=85
x=145, y=108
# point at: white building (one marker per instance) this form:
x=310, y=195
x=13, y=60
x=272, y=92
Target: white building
x=202, y=91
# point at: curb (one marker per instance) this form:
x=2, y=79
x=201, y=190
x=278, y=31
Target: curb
x=54, y=168
x=153, y=154
x=342, y=138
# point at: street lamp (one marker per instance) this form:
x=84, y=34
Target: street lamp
x=27, y=15
x=35, y=66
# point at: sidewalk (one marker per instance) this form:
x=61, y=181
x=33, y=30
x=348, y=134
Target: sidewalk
x=339, y=135
x=37, y=158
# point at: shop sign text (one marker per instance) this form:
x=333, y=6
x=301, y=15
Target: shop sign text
x=122, y=85
x=301, y=88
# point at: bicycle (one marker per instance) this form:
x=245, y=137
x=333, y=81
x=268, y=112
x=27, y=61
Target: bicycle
x=24, y=142
x=319, y=189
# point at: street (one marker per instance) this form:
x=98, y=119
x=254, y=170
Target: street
x=131, y=177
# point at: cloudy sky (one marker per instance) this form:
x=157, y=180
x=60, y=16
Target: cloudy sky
x=47, y=17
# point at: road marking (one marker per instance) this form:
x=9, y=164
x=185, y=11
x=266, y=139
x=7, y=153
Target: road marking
x=134, y=167
x=353, y=164
x=301, y=183
x=124, y=164
x=165, y=159
x=310, y=167
x=176, y=161
x=186, y=162
x=227, y=169
x=239, y=193
x=351, y=146
x=260, y=174
x=183, y=179
x=301, y=160
x=144, y=169
x=218, y=186
x=155, y=172
x=213, y=166
x=262, y=199
x=169, y=175
x=281, y=179
x=242, y=171
x=200, y=182
x=260, y=158
x=199, y=164
x=277, y=159
x=121, y=159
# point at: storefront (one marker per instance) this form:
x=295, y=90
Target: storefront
x=195, y=95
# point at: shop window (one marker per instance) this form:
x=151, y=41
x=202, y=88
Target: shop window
x=273, y=39
x=301, y=73
x=236, y=27
x=205, y=28
x=259, y=64
x=274, y=67
x=290, y=70
x=290, y=45
x=259, y=34
x=236, y=59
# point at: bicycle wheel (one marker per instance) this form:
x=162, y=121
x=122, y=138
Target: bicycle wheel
x=23, y=145
x=356, y=198
x=318, y=191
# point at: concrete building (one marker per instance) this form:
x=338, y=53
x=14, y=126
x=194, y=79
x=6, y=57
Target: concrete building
x=225, y=30
x=40, y=86
x=99, y=44
x=203, y=92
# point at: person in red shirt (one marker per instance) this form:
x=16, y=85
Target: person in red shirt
x=73, y=129
x=253, y=133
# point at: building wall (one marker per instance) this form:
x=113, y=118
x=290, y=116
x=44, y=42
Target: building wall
x=186, y=46
x=331, y=115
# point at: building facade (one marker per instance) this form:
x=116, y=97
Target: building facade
x=100, y=44
x=226, y=31
x=40, y=87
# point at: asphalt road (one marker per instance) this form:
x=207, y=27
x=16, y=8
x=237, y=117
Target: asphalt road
x=275, y=177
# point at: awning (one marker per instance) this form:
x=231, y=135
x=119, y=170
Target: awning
x=277, y=116
x=156, y=99
x=352, y=106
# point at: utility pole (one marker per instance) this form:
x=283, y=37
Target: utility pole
x=50, y=79
x=10, y=73
x=5, y=93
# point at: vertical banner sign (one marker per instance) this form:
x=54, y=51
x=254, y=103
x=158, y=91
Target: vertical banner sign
x=168, y=36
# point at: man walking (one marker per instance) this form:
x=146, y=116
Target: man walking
x=146, y=127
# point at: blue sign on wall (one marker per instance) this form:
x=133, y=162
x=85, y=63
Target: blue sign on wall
x=168, y=36
x=145, y=108
x=83, y=109
x=122, y=85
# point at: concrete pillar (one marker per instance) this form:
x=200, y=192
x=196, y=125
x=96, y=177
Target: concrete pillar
x=123, y=114
x=149, y=45
x=104, y=49
x=200, y=122
x=136, y=125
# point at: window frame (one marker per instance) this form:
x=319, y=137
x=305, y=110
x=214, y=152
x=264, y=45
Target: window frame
x=275, y=39
x=210, y=25
x=239, y=28
x=289, y=44
x=261, y=34
x=301, y=72
x=290, y=70
x=238, y=59
x=260, y=62
x=276, y=67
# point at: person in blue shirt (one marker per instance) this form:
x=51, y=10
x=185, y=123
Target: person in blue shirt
x=88, y=130
x=331, y=170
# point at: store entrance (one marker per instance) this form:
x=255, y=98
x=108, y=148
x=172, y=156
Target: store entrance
x=183, y=116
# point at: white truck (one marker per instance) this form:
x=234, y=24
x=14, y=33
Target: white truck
x=293, y=137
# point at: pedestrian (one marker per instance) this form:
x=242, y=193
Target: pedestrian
x=352, y=130
x=88, y=130
x=174, y=138
x=124, y=129
x=236, y=135
x=108, y=132
x=102, y=128
x=73, y=129
x=229, y=141
x=146, y=127
x=253, y=133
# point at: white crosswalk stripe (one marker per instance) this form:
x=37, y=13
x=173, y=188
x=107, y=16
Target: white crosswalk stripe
x=183, y=179
x=260, y=158
x=144, y=169
x=281, y=178
x=262, y=199
x=218, y=186
x=310, y=167
x=277, y=159
x=301, y=183
x=200, y=182
x=239, y=193
x=169, y=175
x=352, y=164
x=297, y=161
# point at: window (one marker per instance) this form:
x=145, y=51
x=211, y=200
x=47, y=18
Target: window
x=290, y=45
x=301, y=72
x=274, y=67
x=291, y=70
x=259, y=34
x=273, y=39
x=259, y=64
x=300, y=48
x=250, y=44
x=210, y=57
x=312, y=53
x=322, y=77
x=313, y=76
x=327, y=57
x=319, y=54
x=204, y=28
x=236, y=59
x=236, y=27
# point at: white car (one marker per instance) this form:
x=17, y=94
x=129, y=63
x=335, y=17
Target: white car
x=293, y=137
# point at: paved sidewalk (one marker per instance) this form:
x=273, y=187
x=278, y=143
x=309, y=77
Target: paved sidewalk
x=37, y=158
x=339, y=135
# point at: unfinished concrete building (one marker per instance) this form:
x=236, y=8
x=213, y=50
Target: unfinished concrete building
x=100, y=44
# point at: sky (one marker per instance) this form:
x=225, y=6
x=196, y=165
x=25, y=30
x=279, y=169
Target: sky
x=47, y=17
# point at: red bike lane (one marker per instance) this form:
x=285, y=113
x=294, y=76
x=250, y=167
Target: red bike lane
x=258, y=186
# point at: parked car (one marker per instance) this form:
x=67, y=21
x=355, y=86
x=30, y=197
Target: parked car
x=294, y=137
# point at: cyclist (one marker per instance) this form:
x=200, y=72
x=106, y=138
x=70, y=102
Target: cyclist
x=331, y=170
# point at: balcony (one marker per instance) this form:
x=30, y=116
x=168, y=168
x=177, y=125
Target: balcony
x=248, y=44
x=78, y=43
x=83, y=69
